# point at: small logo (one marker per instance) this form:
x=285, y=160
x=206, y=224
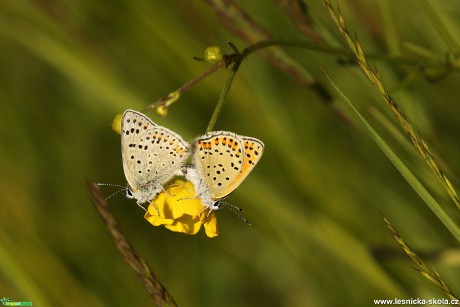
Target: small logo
x=5, y=301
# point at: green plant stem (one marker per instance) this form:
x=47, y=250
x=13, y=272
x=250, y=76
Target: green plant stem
x=166, y=101
x=338, y=51
x=223, y=94
x=238, y=58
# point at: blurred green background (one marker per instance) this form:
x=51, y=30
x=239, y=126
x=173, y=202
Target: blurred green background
x=315, y=200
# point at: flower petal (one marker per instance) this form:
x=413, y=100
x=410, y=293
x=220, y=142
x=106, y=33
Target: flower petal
x=181, y=211
x=210, y=226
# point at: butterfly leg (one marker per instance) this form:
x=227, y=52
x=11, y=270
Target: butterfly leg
x=154, y=206
x=162, y=187
x=184, y=198
x=141, y=206
x=207, y=215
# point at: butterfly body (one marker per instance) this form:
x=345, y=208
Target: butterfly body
x=202, y=189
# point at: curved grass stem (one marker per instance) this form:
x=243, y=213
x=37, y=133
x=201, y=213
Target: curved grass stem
x=161, y=105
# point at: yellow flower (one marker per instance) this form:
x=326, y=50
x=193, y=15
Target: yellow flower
x=181, y=211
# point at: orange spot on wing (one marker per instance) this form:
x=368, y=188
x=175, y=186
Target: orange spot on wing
x=203, y=145
x=180, y=150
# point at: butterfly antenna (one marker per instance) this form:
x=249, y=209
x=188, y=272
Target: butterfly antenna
x=112, y=185
x=235, y=210
x=110, y=196
x=123, y=188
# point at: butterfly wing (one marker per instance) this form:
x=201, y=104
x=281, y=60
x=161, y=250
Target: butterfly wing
x=253, y=150
x=151, y=154
x=132, y=124
x=219, y=159
x=132, y=120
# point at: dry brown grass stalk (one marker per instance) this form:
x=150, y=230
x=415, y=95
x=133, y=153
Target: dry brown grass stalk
x=158, y=293
x=428, y=272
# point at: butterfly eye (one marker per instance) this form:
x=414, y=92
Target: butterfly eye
x=216, y=205
x=129, y=193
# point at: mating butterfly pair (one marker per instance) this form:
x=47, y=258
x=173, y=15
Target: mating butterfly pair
x=152, y=155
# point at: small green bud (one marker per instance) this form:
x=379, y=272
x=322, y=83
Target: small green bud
x=162, y=111
x=213, y=54
x=161, y=106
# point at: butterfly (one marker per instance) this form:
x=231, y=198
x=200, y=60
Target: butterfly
x=221, y=161
x=151, y=156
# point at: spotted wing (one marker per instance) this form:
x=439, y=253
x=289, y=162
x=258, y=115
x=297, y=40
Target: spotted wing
x=150, y=156
x=219, y=159
x=132, y=121
x=253, y=150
